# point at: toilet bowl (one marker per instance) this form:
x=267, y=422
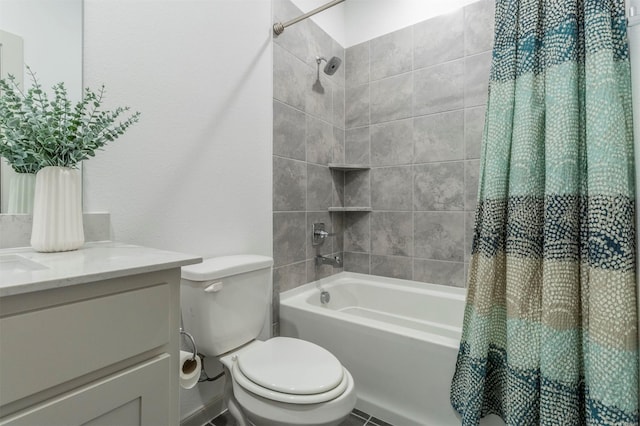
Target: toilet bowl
x=297, y=383
x=280, y=381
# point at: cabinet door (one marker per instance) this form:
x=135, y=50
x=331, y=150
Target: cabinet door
x=47, y=347
x=137, y=396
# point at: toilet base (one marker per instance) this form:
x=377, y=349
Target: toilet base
x=263, y=412
x=244, y=418
x=230, y=401
x=250, y=409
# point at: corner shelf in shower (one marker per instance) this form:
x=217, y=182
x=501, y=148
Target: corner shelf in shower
x=349, y=209
x=348, y=167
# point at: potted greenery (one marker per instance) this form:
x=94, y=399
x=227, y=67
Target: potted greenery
x=24, y=164
x=51, y=137
x=22, y=184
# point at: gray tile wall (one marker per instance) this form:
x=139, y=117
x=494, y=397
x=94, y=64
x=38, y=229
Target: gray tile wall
x=308, y=134
x=411, y=105
x=414, y=110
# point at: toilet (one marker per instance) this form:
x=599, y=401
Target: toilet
x=277, y=382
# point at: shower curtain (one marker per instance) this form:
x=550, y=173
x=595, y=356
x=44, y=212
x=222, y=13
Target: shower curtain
x=550, y=327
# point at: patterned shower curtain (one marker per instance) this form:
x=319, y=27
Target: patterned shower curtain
x=551, y=325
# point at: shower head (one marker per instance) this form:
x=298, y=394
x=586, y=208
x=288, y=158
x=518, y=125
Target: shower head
x=332, y=64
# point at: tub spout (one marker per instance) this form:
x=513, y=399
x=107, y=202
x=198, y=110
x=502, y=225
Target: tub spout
x=335, y=261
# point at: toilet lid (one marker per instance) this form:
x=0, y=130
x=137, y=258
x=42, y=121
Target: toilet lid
x=291, y=366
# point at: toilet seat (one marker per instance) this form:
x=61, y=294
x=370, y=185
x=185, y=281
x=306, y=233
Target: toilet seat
x=293, y=366
x=267, y=412
x=250, y=386
x=291, y=371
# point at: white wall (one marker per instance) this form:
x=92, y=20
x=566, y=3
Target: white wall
x=194, y=175
x=356, y=21
x=52, y=34
x=367, y=19
x=330, y=20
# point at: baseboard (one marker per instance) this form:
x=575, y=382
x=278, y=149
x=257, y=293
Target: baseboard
x=205, y=414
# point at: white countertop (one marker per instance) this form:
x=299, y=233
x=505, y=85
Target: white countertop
x=92, y=262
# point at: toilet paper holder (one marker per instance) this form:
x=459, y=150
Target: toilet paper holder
x=193, y=343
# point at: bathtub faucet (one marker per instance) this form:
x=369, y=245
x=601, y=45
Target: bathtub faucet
x=334, y=261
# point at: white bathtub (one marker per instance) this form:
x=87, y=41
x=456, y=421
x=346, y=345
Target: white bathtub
x=398, y=338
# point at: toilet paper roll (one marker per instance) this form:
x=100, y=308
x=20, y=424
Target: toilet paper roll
x=189, y=370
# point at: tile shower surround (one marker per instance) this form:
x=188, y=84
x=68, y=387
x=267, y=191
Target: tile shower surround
x=411, y=105
x=308, y=134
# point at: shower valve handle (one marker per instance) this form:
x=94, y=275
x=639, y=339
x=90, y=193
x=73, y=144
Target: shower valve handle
x=323, y=234
x=319, y=234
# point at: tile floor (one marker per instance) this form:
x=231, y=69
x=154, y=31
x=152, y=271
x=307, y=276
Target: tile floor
x=357, y=418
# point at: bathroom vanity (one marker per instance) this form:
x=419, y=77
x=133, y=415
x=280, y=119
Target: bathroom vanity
x=90, y=337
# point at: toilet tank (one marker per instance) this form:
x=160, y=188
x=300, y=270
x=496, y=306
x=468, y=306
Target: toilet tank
x=225, y=300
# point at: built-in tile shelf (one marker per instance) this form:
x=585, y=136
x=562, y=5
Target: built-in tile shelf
x=349, y=209
x=348, y=167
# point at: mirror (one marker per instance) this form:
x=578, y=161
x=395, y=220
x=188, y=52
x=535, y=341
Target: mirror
x=47, y=36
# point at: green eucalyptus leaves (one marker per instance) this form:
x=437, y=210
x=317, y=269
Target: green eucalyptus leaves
x=37, y=132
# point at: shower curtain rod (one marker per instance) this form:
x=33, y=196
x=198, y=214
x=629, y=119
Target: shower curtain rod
x=279, y=27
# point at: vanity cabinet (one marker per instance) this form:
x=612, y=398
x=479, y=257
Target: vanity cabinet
x=136, y=396
x=103, y=352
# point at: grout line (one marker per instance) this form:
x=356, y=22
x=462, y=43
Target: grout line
x=290, y=264
x=464, y=185
x=314, y=116
x=413, y=132
x=401, y=256
x=419, y=211
x=296, y=211
x=416, y=116
x=413, y=117
x=359, y=416
x=390, y=76
x=301, y=161
x=450, y=61
x=369, y=174
x=387, y=166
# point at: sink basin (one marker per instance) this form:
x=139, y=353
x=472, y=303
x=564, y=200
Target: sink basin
x=16, y=264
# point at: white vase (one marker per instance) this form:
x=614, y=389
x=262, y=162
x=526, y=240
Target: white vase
x=21, y=192
x=57, y=210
